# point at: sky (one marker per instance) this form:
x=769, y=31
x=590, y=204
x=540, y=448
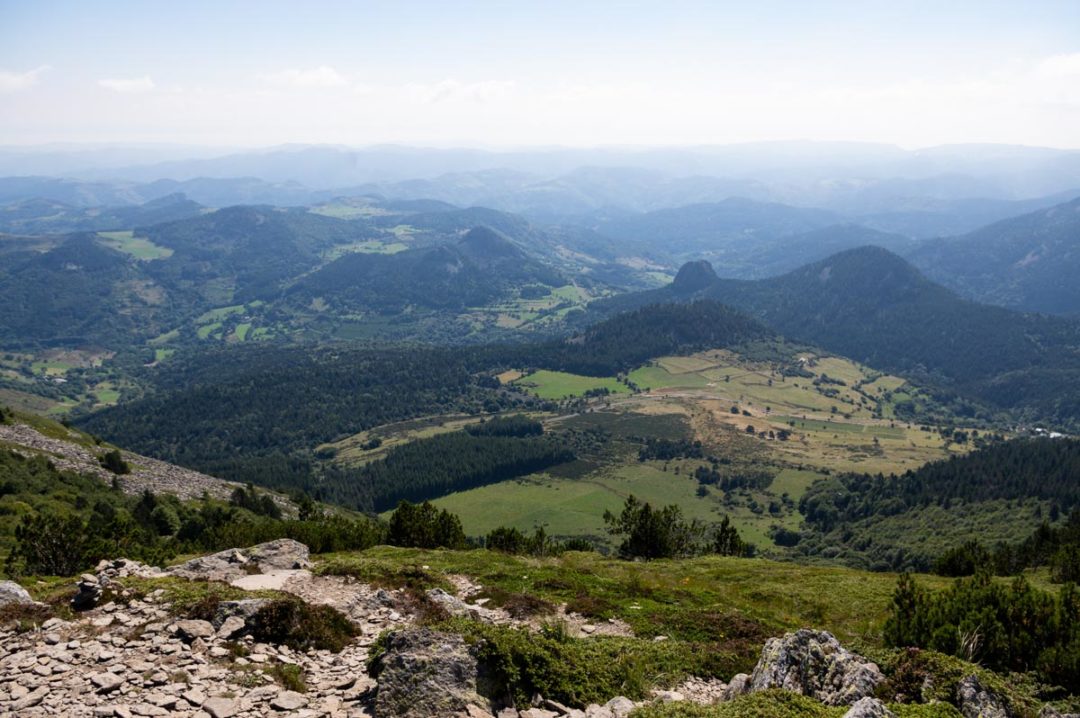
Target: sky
x=239, y=73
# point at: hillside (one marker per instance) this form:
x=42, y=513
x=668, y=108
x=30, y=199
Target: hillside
x=73, y=451
x=1028, y=263
x=481, y=267
x=872, y=306
x=43, y=216
x=1002, y=493
x=78, y=292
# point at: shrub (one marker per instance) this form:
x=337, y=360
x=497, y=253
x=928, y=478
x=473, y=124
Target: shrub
x=289, y=676
x=1007, y=628
x=424, y=526
x=301, y=626
x=165, y=520
x=114, y=462
x=653, y=533
x=48, y=544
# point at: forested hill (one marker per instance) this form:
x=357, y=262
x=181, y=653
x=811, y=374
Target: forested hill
x=1030, y=262
x=1001, y=492
x=481, y=267
x=252, y=250
x=870, y=305
x=629, y=339
x=256, y=413
x=1047, y=469
x=70, y=294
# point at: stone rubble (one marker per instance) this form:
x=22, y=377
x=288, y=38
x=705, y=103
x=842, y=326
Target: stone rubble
x=146, y=473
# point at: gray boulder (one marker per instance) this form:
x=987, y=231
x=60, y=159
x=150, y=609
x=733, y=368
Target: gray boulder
x=814, y=664
x=234, y=563
x=739, y=685
x=869, y=708
x=280, y=555
x=11, y=592
x=977, y=701
x=425, y=673
x=620, y=706
x=190, y=629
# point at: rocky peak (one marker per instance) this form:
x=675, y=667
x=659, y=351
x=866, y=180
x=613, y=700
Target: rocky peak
x=693, y=277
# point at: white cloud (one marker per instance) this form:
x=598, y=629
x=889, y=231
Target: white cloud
x=454, y=91
x=128, y=84
x=322, y=76
x=15, y=81
x=1061, y=65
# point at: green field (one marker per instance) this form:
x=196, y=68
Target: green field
x=693, y=397
x=163, y=354
x=50, y=368
x=575, y=507
x=138, y=247
x=216, y=315
x=373, y=246
x=106, y=394
x=165, y=338
x=656, y=377
x=208, y=329
x=241, y=331
x=559, y=385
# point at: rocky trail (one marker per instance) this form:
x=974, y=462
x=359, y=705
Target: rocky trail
x=125, y=654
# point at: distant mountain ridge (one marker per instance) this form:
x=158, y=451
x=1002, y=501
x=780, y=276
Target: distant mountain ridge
x=1031, y=262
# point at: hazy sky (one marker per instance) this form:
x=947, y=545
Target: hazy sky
x=515, y=73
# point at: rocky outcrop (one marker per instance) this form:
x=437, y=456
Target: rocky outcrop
x=426, y=673
x=233, y=564
x=977, y=701
x=11, y=592
x=814, y=664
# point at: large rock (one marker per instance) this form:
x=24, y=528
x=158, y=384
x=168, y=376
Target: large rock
x=425, y=673
x=977, y=701
x=234, y=563
x=280, y=555
x=11, y=592
x=814, y=664
x=739, y=685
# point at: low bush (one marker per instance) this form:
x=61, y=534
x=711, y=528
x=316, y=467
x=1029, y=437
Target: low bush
x=289, y=676
x=301, y=626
